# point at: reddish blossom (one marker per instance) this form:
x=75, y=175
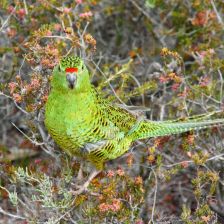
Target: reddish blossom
x=86, y=14
x=48, y=63
x=33, y=86
x=175, y=86
x=16, y=49
x=89, y=39
x=10, y=8
x=163, y=79
x=48, y=33
x=190, y=139
x=204, y=81
x=44, y=98
x=160, y=141
x=139, y=221
x=51, y=51
x=104, y=207
x=37, y=161
x=17, y=97
x=67, y=10
x=138, y=180
x=12, y=86
x=120, y=172
x=200, y=19
x=57, y=27
x=206, y=218
x=130, y=159
x=11, y=32
x=203, y=53
x=212, y=15
x=78, y=1
x=35, y=83
x=110, y=173
x=21, y=13
x=116, y=205
x=184, y=93
x=184, y=164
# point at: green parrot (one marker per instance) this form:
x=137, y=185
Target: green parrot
x=84, y=124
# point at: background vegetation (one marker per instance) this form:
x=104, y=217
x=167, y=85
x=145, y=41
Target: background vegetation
x=162, y=59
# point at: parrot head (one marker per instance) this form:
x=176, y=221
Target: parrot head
x=71, y=73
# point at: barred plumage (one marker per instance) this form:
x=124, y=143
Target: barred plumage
x=86, y=125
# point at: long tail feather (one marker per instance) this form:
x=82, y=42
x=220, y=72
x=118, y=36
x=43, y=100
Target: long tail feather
x=156, y=129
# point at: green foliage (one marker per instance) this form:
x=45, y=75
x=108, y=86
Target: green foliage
x=150, y=3
x=171, y=179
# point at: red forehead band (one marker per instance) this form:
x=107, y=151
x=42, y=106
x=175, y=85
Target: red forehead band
x=71, y=70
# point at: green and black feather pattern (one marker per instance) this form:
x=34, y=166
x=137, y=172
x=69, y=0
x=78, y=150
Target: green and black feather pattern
x=84, y=124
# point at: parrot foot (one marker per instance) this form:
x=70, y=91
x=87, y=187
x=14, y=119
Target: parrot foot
x=84, y=187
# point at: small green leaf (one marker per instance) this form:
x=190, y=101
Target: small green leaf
x=150, y=4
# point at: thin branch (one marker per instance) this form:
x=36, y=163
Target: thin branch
x=220, y=156
x=217, y=13
x=121, y=101
x=139, y=85
x=11, y=215
x=25, y=6
x=59, y=37
x=34, y=142
x=20, y=108
x=221, y=87
x=6, y=21
x=154, y=198
x=150, y=18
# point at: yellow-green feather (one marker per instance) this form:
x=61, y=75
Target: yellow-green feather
x=84, y=124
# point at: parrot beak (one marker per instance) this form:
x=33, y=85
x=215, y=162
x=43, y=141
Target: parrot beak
x=71, y=79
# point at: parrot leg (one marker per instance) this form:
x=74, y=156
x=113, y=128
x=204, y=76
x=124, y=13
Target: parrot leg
x=83, y=187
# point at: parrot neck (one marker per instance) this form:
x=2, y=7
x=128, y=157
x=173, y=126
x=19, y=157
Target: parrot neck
x=83, y=85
